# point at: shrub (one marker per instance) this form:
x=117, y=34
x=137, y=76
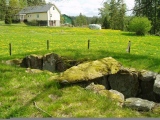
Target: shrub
x=15, y=21
x=8, y=19
x=140, y=25
x=33, y=23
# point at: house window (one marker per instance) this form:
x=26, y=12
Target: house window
x=37, y=15
x=50, y=15
x=53, y=8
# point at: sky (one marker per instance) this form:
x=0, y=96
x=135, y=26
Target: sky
x=86, y=7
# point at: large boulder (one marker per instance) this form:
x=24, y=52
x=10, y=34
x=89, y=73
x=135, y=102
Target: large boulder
x=146, y=81
x=125, y=81
x=145, y=75
x=51, y=62
x=111, y=94
x=90, y=70
x=139, y=104
x=32, y=61
x=156, y=88
x=12, y=62
x=156, y=109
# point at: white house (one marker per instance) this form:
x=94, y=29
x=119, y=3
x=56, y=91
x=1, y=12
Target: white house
x=48, y=14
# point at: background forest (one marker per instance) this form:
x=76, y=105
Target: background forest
x=111, y=16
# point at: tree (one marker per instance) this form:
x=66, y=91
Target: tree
x=150, y=9
x=114, y=11
x=14, y=7
x=2, y=9
x=8, y=18
x=61, y=19
x=140, y=25
x=106, y=24
x=81, y=20
x=23, y=3
x=121, y=15
x=105, y=15
x=113, y=15
x=35, y=2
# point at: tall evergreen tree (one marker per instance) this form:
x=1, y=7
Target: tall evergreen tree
x=115, y=14
x=104, y=15
x=8, y=16
x=81, y=20
x=121, y=15
x=2, y=9
x=35, y=2
x=106, y=24
x=150, y=9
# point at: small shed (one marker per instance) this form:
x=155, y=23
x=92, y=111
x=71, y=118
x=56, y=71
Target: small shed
x=67, y=19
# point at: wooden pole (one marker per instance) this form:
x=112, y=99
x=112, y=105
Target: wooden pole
x=47, y=44
x=129, y=47
x=10, y=49
x=88, y=44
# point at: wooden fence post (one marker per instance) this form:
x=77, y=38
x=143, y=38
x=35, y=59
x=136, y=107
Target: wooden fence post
x=129, y=47
x=88, y=44
x=47, y=44
x=10, y=49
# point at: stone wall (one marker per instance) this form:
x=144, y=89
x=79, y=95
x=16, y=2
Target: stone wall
x=51, y=62
x=132, y=88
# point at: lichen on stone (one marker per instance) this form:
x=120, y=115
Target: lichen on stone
x=111, y=95
x=91, y=70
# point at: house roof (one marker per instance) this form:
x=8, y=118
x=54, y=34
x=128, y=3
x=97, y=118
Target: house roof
x=66, y=16
x=37, y=9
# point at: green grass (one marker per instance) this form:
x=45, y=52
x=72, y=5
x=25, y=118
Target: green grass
x=18, y=89
x=72, y=42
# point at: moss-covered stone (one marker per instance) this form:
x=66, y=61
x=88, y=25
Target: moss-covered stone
x=95, y=87
x=12, y=62
x=112, y=95
x=90, y=70
x=156, y=109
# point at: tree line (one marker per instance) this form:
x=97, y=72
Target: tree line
x=111, y=16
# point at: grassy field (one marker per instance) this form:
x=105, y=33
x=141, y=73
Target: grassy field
x=19, y=90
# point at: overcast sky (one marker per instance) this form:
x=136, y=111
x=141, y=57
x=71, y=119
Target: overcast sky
x=86, y=7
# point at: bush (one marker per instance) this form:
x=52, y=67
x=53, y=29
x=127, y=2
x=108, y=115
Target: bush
x=8, y=19
x=140, y=25
x=15, y=21
x=33, y=23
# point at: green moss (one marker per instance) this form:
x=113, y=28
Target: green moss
x=111, y=95
x=156, y=109
x=95, y=87
x=91, y=70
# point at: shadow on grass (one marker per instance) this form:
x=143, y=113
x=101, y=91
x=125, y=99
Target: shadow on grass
x=22, y=55
x=129, y=34
x=151, y=63
x=91, y=54
x=47, y=90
